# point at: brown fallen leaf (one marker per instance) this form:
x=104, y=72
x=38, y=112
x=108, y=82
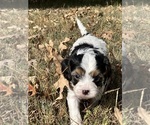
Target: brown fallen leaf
x=7, y=89
x=62, y=45
x=128, y=35
x=32, y=89
x=58, y=67
x=68, y=15
x=49, y=48
x=118, y=115
x=107, y=35
x=57, y=58
x=61, y=83
x=57, y=61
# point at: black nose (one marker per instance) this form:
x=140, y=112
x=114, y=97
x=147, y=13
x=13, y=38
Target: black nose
x=85, y=92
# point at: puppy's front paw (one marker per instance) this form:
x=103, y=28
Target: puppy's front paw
x=76, y=121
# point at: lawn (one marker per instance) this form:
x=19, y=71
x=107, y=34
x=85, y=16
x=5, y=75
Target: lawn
x=55, y=25
x=32, y=45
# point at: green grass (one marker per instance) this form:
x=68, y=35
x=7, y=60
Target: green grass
x=56, y=24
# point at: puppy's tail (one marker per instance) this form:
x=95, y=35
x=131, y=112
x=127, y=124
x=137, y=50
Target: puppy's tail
x=81, y=27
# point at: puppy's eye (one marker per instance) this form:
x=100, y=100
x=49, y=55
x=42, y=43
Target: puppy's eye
x=77, y=76
x=97, y=78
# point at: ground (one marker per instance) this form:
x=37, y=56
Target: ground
x=35, y=52
x=55, y=25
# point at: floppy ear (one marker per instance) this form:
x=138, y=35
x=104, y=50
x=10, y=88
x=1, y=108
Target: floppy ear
x=65, y=68
x=103, y=64
x=107, y=67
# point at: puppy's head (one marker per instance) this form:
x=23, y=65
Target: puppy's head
x=87, y=73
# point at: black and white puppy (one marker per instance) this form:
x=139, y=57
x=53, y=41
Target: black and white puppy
x=88, y=71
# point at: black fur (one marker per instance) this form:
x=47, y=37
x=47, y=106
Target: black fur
x=83, y=46
x=69, y=64
x=104, y=66
x=72, y=61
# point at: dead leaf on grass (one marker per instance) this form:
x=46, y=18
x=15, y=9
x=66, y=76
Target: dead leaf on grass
x=49, y=48
x=61, y=83
x=68, y=15
x=7, y=89
x=32, y=89
x=62, y=45
x=53, y=54
x=129, y=35
x=57, y=61
x=107, y=35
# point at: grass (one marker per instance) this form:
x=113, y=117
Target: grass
x=13, y=64
x=137, y=47
x=56, y=25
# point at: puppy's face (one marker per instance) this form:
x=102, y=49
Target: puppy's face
x=86, y=73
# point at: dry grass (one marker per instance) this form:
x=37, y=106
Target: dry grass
x=136, y=39
x=56, y=24
x=13, y=65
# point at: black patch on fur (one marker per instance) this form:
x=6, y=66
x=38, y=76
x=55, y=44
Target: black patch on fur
x=104, y=66
x=83, y=46
x=99, y=80
x=100, y=62
x=74, y=81
x=65, y=68
x=69, y=64
x=74, y=60
x=86, y=34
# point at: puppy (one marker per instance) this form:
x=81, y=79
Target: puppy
x=88, y=71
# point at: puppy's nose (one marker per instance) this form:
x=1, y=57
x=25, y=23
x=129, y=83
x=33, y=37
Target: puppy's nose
x=85, y=92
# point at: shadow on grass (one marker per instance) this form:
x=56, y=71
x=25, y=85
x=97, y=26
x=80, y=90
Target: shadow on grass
x=55, y=3
x=70, y=3
x=66, y=3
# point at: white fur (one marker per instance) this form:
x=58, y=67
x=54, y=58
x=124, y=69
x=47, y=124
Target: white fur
x=86, y=83
x=88, y=67
x=73, y=105
x=81, y=27
x=97, y=43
